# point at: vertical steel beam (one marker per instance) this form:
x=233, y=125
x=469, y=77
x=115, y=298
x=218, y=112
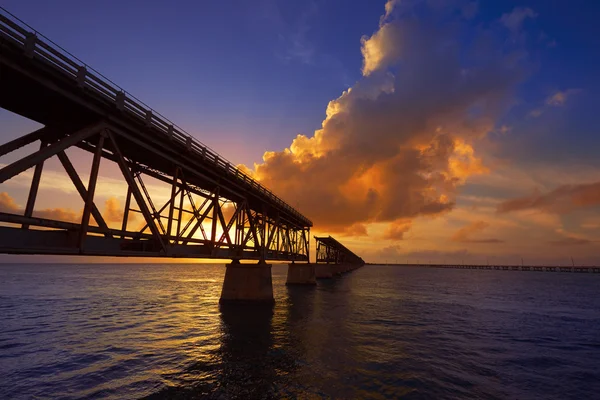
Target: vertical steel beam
x=89, y=202
x=33, y=189
x=215, y=216
x=172, y=205
x=180, y=217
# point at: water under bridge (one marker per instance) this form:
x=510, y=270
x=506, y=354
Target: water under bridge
x=215, y=210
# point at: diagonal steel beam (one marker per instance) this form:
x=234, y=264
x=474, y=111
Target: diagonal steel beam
x=41, y=155
x=68, y=166
x=23, y=140
x=233, y=218
x=33, y=189
x=135, y=190
x=199, y=220
x=172, y=206
x=163, y=209
x=224, y=226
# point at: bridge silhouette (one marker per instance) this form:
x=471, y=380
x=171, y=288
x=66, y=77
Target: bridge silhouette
x=215, y=210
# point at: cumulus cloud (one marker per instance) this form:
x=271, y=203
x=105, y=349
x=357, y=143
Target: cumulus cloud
x=382, y=49
x=559, y=97
x=466, y=233
x=8, y=204
x=514, y=20
x=397, y=229
x=59, y=214
x=562, y=200
x=356, y=230
x=401, y=141
x=112, y=210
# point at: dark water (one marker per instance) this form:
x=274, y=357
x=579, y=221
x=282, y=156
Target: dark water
x=130, y=331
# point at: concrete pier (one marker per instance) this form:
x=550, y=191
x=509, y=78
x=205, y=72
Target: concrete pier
x=247, y=283
x=323, y=271
x=301, y=274
x=336, y=269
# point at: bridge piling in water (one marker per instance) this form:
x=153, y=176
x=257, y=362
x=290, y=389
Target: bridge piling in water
x=301, y=274
x=247, y=283
x=323, y=271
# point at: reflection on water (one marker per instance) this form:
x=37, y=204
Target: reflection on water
x=134, y=331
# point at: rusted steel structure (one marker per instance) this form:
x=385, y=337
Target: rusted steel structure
x=214, y=211
x=331, y=251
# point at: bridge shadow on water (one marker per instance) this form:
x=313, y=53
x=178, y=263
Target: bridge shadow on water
x=253, y=360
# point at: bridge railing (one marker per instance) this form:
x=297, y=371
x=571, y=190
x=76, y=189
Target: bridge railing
x=22, y=35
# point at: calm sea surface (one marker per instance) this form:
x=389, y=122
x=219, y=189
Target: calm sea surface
x=157, y=331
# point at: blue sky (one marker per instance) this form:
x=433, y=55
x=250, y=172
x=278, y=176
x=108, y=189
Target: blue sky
x=275, y=65
x=246, y=77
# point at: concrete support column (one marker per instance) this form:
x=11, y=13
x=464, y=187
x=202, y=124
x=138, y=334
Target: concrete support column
x=247, y=283
x=301, y=274
x=323, y=271
x=336, y=269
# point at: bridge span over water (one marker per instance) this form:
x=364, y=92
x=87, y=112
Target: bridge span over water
x=214, y=210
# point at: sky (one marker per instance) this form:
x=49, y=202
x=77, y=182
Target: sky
x=411, y=130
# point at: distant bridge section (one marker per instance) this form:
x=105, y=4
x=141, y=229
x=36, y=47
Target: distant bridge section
x=331, y=251
x=214, y=210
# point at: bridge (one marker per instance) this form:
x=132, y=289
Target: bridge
x=214, y=210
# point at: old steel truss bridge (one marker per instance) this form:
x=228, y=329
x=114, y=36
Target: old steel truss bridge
x=214, y=209
x=331, y=251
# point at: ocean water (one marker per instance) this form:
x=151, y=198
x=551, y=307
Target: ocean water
x=157, y=331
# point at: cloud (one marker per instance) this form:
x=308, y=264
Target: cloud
x=8, y=204
x=112, y=210
x=59, y=214
x=382, y=49
x=556, y=99
x=570, y=241
x=390, y=254
x=562, y=200
x=355, y=230
x=397, y=229
x=402, y=140
x=389, y=7
x=514, y=20
x=559, y=97
x=465, y=233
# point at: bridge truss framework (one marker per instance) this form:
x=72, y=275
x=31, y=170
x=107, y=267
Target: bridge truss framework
x=215, y=210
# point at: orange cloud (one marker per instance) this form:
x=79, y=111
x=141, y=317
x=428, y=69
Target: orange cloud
x=562, y=200
x=356, y=230
x=465, y=233
x=397, y=229
x=402, y=140
x=8, y=204
x=59, y=214
x=112, y=210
